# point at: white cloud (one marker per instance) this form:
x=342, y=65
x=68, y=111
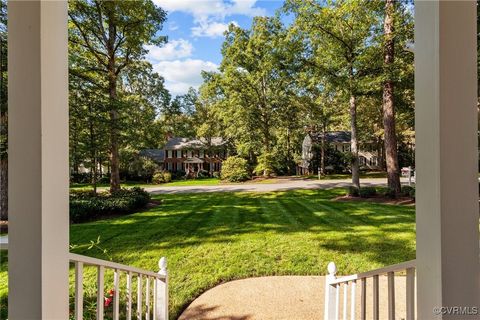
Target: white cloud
x=180, y=75
x=209, y=15
x=208, y=8
x=172, y=50
x=172, y=26
x=211, y=29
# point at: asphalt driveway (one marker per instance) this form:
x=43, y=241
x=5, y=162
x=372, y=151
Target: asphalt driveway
x=281, y=185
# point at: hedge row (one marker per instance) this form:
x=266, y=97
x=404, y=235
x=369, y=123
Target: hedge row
x=368, y=192
x=85, y=205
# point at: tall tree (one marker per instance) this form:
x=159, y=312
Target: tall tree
x=390, y=137
x=111, y=35
x=254, y=91
x=336, y=39
x=3, y=114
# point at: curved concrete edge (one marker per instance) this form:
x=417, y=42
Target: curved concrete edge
x=284, y=298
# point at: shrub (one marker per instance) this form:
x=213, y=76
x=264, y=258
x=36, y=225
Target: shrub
x=353, y=191
x=216, y=174
x=180, y=174
x=405, y=192
x=158, y=178
x=266, y=164
x=167, y=176
x=141, y=169
x=235, y=169
x=411, y=194
x=390, y=193
x=162, y=177
x=80, y=177
x=203, y=174
x=367, y=192
x=85, y=205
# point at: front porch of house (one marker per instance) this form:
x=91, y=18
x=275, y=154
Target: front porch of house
x=447, y=268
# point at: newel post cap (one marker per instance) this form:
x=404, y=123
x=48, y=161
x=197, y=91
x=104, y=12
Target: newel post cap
x=332, y=268
x=162, y=264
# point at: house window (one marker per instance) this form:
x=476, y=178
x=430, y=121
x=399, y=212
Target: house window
x=179, y=153
x=169, y=153
x=169, y=166
x=362, y=160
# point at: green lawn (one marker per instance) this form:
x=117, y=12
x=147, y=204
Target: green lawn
x=190, y=182
x=216, y=237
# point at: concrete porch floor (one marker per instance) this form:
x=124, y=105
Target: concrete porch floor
x=282, y=298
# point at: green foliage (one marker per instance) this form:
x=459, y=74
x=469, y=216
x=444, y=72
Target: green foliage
x=216, y=175
x=406, y=191
x=390, y=193
x=142, y=168
x=266, y=164
x=162, y=177
x=114, y=93
x=353, y=191
x=203, y=174
x=367, y=192
x=235, y=169
x=86, y=205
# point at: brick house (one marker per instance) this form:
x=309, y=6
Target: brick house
x=189, y=155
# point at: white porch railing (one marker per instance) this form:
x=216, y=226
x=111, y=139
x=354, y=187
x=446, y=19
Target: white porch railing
x=334, y=285
x=150, y=304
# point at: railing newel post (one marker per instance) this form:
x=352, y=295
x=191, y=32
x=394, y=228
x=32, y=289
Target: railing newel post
x=331, y=300
x=161, y=298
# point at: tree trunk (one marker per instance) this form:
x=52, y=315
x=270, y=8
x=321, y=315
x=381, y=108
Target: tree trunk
x=354, y=143
x=322, y=149
x=391, y=154
x=112, y=86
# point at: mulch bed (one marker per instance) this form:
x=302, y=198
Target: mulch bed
x=3, y=226
x=406, y=201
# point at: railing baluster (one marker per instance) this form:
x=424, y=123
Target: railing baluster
x=100, y=292
x=337, y=301
x=353, y=293
x=155, y=292
x=139, y=297
x=391, y=295
x=333, y=285
x=410, y=286
x=129, y=296
x=116, y=295
x=147, y=299
x=78, y=290
x=363, y=298
x=376, y=315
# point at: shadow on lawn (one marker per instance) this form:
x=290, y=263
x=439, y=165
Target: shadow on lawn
x=184, y=221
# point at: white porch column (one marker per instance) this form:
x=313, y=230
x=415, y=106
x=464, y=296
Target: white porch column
x=38, y=160
x=446, y=156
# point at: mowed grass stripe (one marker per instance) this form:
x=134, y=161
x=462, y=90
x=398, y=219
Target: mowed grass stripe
x=216, y=237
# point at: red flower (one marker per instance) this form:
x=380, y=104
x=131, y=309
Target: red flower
x=108, y=301
x=111, y=292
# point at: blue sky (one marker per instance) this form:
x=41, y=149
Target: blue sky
x=195, y=35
